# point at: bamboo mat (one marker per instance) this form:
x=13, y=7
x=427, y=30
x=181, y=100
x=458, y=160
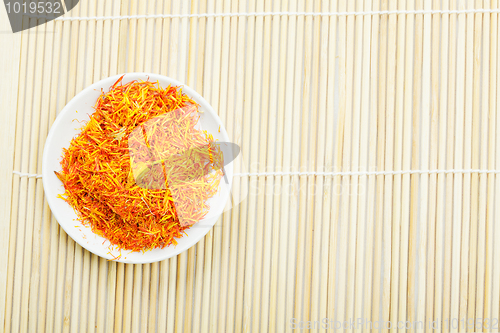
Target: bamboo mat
x=370, y=140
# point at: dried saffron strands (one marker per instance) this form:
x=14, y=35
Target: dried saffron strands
x=140, y=172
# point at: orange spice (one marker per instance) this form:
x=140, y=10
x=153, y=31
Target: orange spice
x=140, y=172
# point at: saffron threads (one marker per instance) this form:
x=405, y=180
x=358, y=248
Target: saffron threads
x=140, y=171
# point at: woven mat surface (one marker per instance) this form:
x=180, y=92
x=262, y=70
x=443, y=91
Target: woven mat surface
x=371, y=142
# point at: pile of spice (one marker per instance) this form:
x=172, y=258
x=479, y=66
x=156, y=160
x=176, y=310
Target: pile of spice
x=141, y=170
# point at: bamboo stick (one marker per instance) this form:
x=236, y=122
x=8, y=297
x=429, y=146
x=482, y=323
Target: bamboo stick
x=120, y=281
x=132, y=32
x=303, y=181
x=354, y=182
x=46, y=273
x=350, y=149
x=123, y=31
x=172, y=270
x=144, y=294
x=389, y=164
x=433, y=160
x=111, y=283
x=288, y=222
x=162, y=296
x=441, y=178
x=165, y=53
x=406, y=164
x=183, y=26
x=457, y=190
x=372, y=160
x=100, y=49
x=424, y=164
x=413, y=306
x=81, y=75
x=379, y=212
x=470, y=138
x=362, y=190
x=141, y=39
x=311, y=56
x=344, y=103
x=488, y=262
x=58, y=321
x=479, y=159
x=94, y=274
x=492, y=163
x=49, y=242
x=398, y=160
x=158, y=29
x=450, y=177
x=153, y=293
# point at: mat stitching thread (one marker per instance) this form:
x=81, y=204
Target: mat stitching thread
x=28, y=175
x=250, y=14
x=344, y=173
